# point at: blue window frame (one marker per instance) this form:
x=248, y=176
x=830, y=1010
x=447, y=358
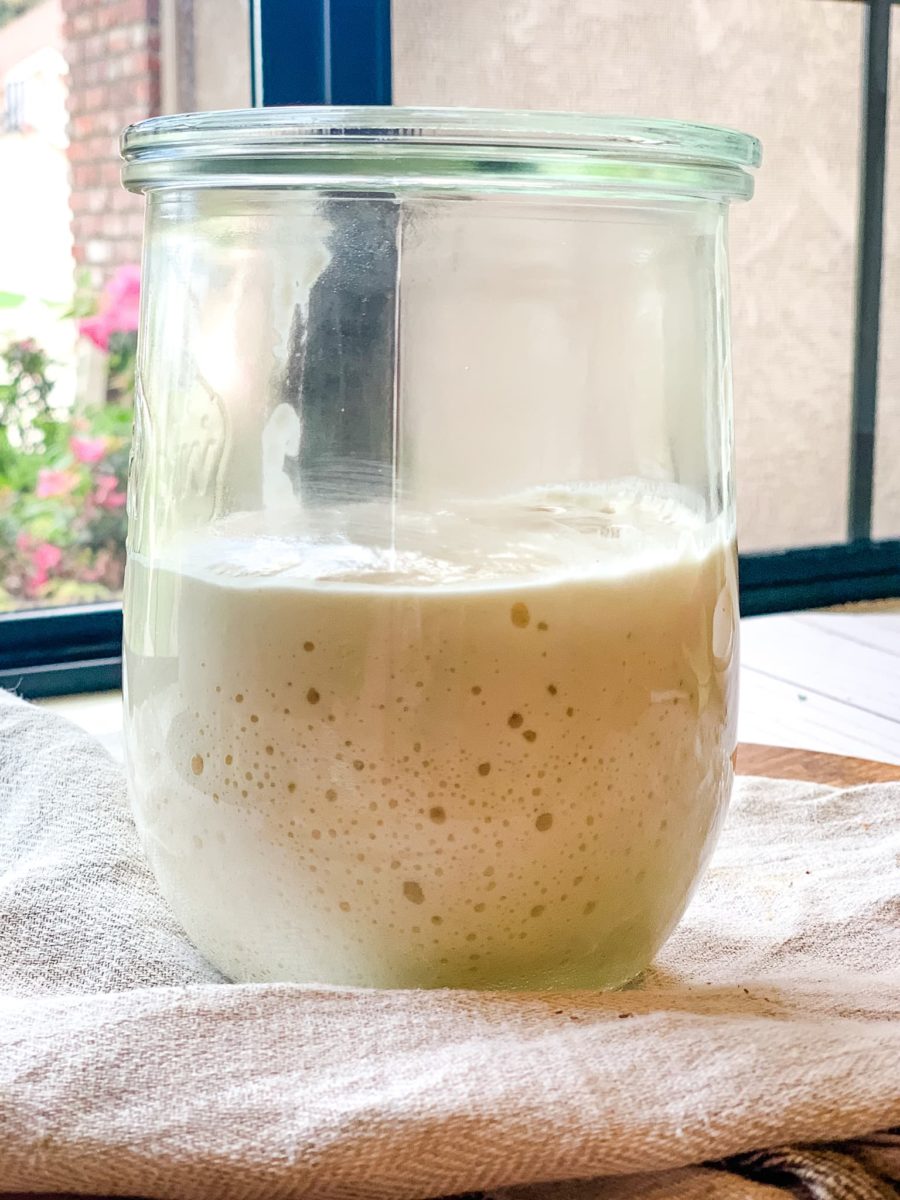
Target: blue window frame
x=339, y=52
x=58, y=651
x=320, y=52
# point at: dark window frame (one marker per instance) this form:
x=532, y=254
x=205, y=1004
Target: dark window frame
x=339, y=52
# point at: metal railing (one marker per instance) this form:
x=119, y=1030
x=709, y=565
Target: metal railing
x=870, y=256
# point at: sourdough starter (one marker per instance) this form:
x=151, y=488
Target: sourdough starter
x=476, y=748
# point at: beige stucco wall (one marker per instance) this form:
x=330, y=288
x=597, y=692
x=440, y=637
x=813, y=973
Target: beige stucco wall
x=786, y=70
x=204, y=54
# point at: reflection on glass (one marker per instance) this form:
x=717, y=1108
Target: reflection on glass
x=791, y=73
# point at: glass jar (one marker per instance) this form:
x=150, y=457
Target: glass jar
x=431, y=603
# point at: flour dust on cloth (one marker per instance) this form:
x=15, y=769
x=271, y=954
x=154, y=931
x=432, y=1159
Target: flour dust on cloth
x=761, y=1053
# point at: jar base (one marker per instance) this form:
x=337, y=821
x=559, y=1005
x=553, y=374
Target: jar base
x=581, y=976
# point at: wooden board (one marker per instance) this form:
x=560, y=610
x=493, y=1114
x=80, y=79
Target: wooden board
x=834, y=769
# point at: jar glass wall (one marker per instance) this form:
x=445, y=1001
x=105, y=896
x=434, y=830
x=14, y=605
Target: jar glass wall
x=431, y=607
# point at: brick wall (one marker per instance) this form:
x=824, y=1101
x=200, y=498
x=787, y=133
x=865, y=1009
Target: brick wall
x=112, y=48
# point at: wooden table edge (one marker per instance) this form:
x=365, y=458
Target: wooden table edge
x=782, y=762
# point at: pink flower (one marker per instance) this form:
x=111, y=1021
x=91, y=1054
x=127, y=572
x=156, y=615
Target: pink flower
x=96, y=330
x=44, y=558
x=55, y=483
x=88, y=450
x=124, y=294
x=119, y=307
x=105, y=493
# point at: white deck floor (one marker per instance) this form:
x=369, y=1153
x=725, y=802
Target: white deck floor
x=823, y=681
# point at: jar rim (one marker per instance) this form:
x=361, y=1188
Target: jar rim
x=164, y=150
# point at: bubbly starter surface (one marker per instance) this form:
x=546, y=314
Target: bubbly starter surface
x=491, y=749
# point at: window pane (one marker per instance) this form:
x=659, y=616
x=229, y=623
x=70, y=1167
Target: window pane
x=73, y=73
x=785, y=70
x=69, y=249
x=886, y=505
